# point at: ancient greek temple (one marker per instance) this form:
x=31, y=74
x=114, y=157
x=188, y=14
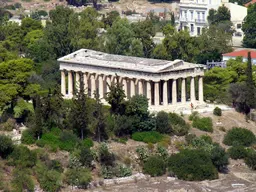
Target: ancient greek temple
x=168, y=85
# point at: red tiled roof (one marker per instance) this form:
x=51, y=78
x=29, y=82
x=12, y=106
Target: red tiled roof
x=241, y=53
x=251, y=2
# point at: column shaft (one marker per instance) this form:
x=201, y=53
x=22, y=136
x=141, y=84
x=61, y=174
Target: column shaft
x=183, y=91
x=63, y=83
x=165, y=93
x=140, y=87
x=108, y=81
x=174, y=92
x=156, y=93
x=200, y=89
x=101, y=88
x=192, y=90
x=77, y=81
x=132, y=87
x=70, y=84
x=86, y=83
x=149, y=93
x=124, y=82
x=93, y=85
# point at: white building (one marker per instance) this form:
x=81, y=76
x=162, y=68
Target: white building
x=168, y=85
x=193, y=14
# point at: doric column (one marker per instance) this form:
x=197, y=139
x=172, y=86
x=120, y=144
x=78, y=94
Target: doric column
x=165, y=93
x=183, y=90
x=149, y=93
x=77, y=81
x=140, y=88
x=124, y=82
x=156, y=93
x=63, y=83
x=108, y=82
x=93, y=85
x=70, y=84
x=174, y=91
x=192, y=90
x=101, y=88
x=86, y=83
x=132, y=87
x=200, y=89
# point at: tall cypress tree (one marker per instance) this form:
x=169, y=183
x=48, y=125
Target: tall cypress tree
x=250, y=95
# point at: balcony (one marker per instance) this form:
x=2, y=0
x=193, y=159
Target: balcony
x=200, y=21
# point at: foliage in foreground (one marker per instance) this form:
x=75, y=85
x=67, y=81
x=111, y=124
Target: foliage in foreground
x=204, y=124
x=239, y=136
x=237, y=152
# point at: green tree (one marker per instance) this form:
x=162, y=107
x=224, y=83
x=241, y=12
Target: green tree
x=163, y=123
x=249, y=27
x=250, y=94
x=38, y=124
x=110, y=17
x=115, y=97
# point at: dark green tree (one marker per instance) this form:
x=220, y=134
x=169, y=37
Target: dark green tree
x=115, y=97
x=38, y=122
x=250, y=95
x=249, y=27
x=100, y=132
x=110, y=17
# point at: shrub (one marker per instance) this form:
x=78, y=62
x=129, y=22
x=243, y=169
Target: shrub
x=78, y=177
x=50, y=180
x=219, y=157
x=86, y=157
x=9, y=125
x=147, y=137
x=68, y=140
x=206, y=138
x=105, y=157
x=176, y=119
x=239, y=136
x=55, y=165
x=217, y=111
x=162, y=152
x=6, y=146
x=180, y=130
x=22, y=181
x=195, y=114
x=189, y=138
x=250, y=159
x=143, y=153
x=162, y=122
x=154, y=166
x=28, y=137
x=204, y=124
x=192, y=165
x=237, y=152
x=23, y=157
x=123, y=171
x=109, y=172
x=87, y=142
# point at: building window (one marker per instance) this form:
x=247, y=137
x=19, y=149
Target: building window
x=198, y=30
x=203, y=16
x=239, y=26
x=192, y=28
x=186, y=14
x=198, y=15
x=192, y=15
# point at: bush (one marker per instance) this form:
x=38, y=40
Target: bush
x=87, y=142
x=50, y=180
x=219, y=157
x=237, y=152
x=109, y=172
x=78, y=177
x=143, y=153
x=217, y=111
x=176, y=119
x=189, y=138
x=55, y=165
x=239, y=136
x=250, y=160
x=204, y=124
x=22, y=181
x=180, y=130
x=6, y=146
x=162, y=122
x=104, y=156
x=147, y=137
x=28, y=137
x=9, y=125
x=68, y=140
x=195, y=114
x=23, y=157
x=192, y=165
x=154, y=166
x=206, y=138
x=86, y=157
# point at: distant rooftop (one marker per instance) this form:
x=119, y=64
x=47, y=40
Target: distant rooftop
x=242, y=53
x=96, y=58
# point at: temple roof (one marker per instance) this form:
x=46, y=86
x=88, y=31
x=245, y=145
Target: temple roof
x=96, y=58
